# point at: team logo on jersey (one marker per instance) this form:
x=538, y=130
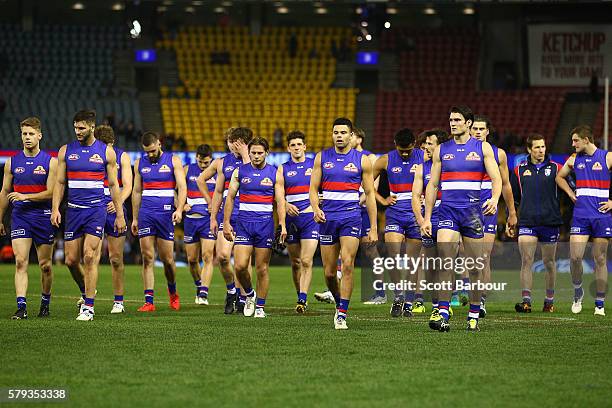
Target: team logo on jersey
x=145, y=170
x=547, y=172
x=428, y=177
x=164, y=169
x=351, y=168
x=193, y=178
x=73, y=156
x=328, y=165
x=245, y=180
x=228, y=169
x=396, y=169
x=597, y=166
x=19, y=170
x=308, y=171
x=472, y=156
x=527, y=173
x=580, y=166
x=413, y=168
x=266, y=182
x=291, y=173
x=96, y=159
x=448, y=156
x=40, y=170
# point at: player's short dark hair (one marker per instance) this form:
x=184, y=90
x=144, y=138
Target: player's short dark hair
x=404, y=138
x=204, y=150
x=360, y=133
x=482, y=118
x=32, y=122
x=464, y=111
x=105, y=134
x=148, y=138
x=296, y=134
x=583, y=132
x=441, y=136
x=259, y=141
x=243, y=134
x=343, y=122
x=88, y=116
x=532, y=138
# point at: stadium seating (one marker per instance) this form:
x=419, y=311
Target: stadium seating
x=233, y=78
x=440, y=69
x=54, y=71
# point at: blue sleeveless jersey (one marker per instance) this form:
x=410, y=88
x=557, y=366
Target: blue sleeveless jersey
x=486, y=187
x=158, y=183
x=229, y=164
x=400, y=174
x=256, y=192
x=85, y=171
x=426, y=177
x=107, y=196
x=194, y=196
x=297, y=182
x=340, y=181
x=30, y=177
x=592, y=184
x=462, y=172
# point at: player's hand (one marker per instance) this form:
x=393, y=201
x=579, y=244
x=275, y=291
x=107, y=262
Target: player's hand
x=489, y=207
x=292, y=210
x=572, y=197
x=13, y=197
x=606, y=206
x=177, y=216
x=283, y=234
x=187, y=208
x=391, y=200
x=110, y=208
x=135, y=228
x=241, y=148
x=56, y=218
x=372, y=237
x=2, y=229
x=511, y=225
x=426, y=228
x=228, y=231
x=319, y=216
x=214, y=226
x=120, y=225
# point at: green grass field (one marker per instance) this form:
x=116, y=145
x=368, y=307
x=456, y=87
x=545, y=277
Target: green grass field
x=199, y=356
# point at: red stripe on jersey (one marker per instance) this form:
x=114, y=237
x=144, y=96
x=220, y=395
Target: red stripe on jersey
x=400, y=188
x=86, y=175
x=605, y=184
x=119, y=180
x=159, y=185
x=462, y=175
x=486, y=177
x=252, y=198
x=194, y=194
x=297, y=189
x=226, y=185
x=29, y=188
x=339, y=186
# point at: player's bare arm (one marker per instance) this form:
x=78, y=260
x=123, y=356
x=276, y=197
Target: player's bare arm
x=490, y=206
x=562, y=176
x=228, y=229
x=60, y=186
x=181, y=188
x=279, y=194
x=368, y=188
x=136, y=198
x=313, y=192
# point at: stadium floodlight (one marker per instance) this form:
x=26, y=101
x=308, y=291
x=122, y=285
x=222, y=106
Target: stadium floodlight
x=368, y=37
x=359, y=10
x=387, y=24
x=321, y=10
x=117, y=7
x=429, y=11
x=364, y=23
x=282, y=10
x=469, y=10
x=391, y=10
x=78, y=6
x=219, y=10
x=190, y=9
x=136, y=29
x=360, y=38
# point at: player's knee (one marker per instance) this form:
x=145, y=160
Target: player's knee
x=575, y=259
x=296, y=263
x=599, y=258
x=223, y=258
x=261, y=269
x=45, y=266
x=88, y=256
x=116, y=261
x=147, y=260
x=21, y=263
x=306, y=263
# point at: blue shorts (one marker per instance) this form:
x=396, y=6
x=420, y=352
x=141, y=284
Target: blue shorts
x=80, y=221
x=109, y=226
x=34, y=224
x=258, y=234
x=365, y=222
x=544, y=233
x=467, y=221
x=233, y=220
x=159, y=225
x=430, y=242
x=490, y=223
x=301, y=227
x=404, y=224
x=600, y=227
x=331, y=230
x=197, y=229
